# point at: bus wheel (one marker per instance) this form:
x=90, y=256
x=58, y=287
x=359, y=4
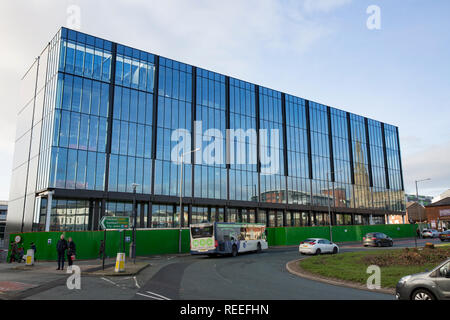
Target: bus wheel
x=258, y=248
x=234, y=251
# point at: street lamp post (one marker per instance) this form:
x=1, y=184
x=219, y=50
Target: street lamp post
x=328, y=201
x=133, y=245
x=329, y=206
x=417, y=197
x=181, y=196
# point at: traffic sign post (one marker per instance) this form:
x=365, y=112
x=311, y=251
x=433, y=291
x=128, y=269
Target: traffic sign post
x=104, y=250
x=115, y=223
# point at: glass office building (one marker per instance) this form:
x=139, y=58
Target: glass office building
x=96, y=118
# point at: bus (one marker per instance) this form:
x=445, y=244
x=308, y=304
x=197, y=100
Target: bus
x=222, y=238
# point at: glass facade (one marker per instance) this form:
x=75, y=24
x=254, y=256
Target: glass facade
x=174, y=112
x=243, y=173
x=210, y=173
x=297, y=151
x=97, y=118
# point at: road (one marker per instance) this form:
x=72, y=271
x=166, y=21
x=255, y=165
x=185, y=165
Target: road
x=247, y=276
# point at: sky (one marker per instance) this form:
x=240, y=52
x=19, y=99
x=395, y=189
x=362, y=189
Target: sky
x=320, y=50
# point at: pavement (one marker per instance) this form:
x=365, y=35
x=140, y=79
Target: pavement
x=247, y=276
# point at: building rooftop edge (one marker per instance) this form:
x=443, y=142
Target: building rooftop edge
x=336, y=108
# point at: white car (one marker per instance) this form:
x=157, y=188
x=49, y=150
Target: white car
x=317, y=246
x=430, y=233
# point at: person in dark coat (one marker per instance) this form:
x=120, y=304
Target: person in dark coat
x=13, y=255
x=33, y=246
x=61, y=248
x=71, y=249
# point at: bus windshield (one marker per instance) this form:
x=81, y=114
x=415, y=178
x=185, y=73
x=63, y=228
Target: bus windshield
x=202, y=232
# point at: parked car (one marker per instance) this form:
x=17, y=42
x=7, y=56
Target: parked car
x=434, y=285
x=317, y=246
x=430, y=233
x=445, y=236
x=377, y=239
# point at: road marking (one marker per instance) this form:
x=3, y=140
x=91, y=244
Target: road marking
x=136, y=282
x=158, y=295
x=107, y=280
x=151, y=297
x=117, y=285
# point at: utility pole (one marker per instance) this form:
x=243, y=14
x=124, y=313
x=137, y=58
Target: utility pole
x=181, y=196
x=133, y=244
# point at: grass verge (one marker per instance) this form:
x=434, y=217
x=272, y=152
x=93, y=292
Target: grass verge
x=394, y=264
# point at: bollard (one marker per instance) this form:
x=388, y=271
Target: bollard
x=29, y=258
x=120, y=262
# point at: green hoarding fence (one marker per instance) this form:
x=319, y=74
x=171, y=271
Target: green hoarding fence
x=165, y=241
x=293, y=235
x=148, y=242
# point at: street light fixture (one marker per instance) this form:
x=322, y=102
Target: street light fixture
x=181, y=196
x=328, y=201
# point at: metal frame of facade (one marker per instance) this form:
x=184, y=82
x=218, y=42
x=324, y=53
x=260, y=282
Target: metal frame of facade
x=98, y=199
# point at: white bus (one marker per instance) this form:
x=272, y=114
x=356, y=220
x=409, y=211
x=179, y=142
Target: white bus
x=221, y=238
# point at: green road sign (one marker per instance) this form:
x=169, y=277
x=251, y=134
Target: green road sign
x=115, y=222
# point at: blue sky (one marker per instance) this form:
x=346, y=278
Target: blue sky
x=317, y=49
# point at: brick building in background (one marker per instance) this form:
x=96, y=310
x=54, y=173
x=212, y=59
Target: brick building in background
x=438, y=214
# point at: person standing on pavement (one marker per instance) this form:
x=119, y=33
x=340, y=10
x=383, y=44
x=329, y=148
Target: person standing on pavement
x=13, y=255
x=61, y=248
x=71, y=248
x=33, y=246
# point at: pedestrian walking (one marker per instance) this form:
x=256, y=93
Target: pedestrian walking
x=33, y=247
x=71, y=250
x=61, y=248
x=20, y=254
x=102, y=249
x=13, y=255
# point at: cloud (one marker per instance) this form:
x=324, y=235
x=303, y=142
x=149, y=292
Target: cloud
x=431, y=162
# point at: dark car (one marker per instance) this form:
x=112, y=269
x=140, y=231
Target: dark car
x=434, y=285
x=377, y=239
x=445, y=236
